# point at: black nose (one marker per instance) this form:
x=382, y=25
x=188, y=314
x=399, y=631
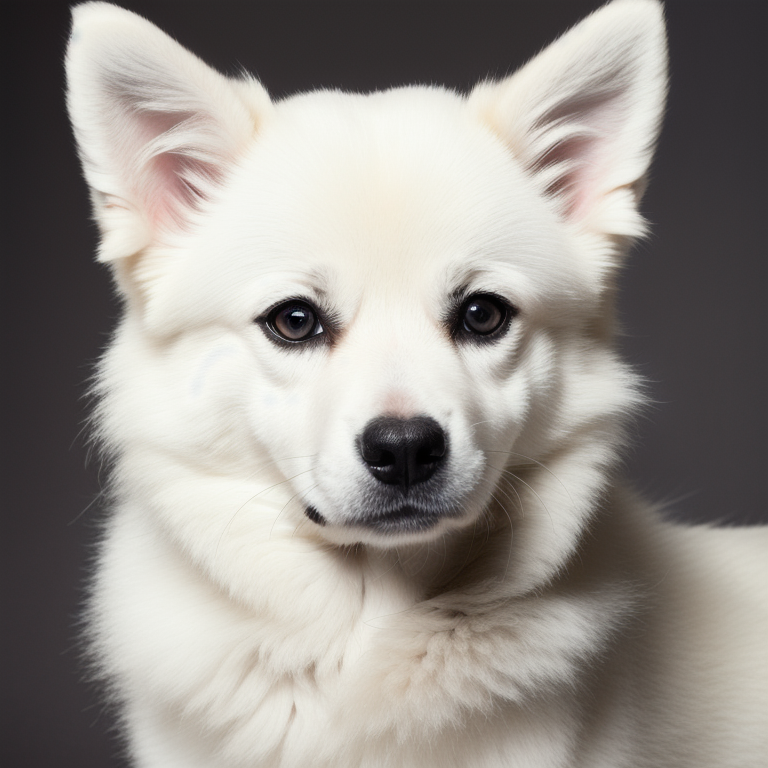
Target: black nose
x=402, y=451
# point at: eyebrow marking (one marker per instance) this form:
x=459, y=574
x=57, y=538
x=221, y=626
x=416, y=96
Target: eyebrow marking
x=319, y=280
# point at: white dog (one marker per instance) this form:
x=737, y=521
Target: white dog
x=365, y=413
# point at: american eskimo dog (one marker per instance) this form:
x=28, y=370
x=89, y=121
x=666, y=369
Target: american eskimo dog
x=364, y=410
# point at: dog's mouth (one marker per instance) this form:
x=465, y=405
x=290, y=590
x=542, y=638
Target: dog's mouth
x=314, y=515
x=405, y=518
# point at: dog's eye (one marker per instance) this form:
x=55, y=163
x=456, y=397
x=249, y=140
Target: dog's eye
x=294, y=321
x=484, y=315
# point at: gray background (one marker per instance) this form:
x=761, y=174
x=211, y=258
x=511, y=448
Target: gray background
x=693, y=304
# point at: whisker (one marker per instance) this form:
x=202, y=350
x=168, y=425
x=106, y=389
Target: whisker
x=509, y=548
x=304, y=518
x=512, y=488
x=76, y=439
x=397, y=561
x=274, y=462
x=520, y=480
x=539, y=464
x=249, y=500
x=471, y=544
x=100, y=495
x=485, y=421
x=424, y=560
x=445, y=557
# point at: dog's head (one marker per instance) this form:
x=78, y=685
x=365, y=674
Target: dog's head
x=384, y=303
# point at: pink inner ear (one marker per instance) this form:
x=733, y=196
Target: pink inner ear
x=574, y=184
x=584, y=155
x=171, y=194
x=168, y=171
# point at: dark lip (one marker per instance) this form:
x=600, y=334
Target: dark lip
x=314, y=515
x=404, y=518
x=401, y=512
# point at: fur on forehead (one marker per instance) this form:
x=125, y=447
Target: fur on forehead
x=403, y=188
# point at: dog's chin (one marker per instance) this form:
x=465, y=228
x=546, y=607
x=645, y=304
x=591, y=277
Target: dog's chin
x=403, y=524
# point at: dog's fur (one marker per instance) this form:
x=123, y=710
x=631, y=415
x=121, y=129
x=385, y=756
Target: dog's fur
x=263, y=596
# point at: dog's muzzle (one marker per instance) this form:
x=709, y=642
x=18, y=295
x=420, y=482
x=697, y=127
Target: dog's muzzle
x=405, y=457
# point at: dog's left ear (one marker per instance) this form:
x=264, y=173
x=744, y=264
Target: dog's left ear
x=583, y=116
x=157, y=132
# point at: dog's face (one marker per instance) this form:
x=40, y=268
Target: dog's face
x=382, y=302
x=395, y=311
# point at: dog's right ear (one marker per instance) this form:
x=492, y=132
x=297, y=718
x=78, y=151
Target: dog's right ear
x=583, y=116
x=157, y=130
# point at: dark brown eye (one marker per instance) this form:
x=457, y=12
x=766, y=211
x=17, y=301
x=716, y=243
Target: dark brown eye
x=482, y=315
x=294, y=321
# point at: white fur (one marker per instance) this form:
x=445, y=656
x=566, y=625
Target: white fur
x=557, y=620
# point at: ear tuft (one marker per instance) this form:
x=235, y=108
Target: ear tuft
x=157, y=129
x=584, y=115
